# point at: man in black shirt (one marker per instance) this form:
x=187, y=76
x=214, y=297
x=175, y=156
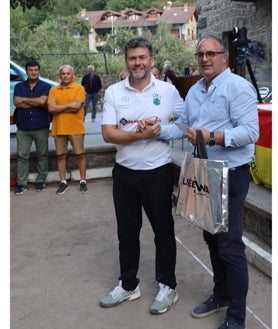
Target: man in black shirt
x=92, y=84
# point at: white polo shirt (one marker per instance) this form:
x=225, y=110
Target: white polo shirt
x=124, y=106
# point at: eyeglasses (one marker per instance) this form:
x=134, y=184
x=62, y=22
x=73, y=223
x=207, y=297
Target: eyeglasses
x=208, y=54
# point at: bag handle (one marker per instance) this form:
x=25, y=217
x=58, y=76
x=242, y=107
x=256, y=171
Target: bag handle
x=200, y=150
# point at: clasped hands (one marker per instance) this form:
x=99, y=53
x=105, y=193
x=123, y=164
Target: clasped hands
x=150, y=127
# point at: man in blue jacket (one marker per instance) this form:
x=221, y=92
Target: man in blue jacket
x=33, y=120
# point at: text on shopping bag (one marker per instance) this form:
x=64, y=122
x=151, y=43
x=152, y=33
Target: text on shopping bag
x=203, y=193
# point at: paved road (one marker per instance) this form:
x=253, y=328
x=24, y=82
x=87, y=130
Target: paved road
x=64, y=257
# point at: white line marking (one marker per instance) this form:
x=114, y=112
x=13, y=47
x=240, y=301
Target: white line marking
x=210, y=272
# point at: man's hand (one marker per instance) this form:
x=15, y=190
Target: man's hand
x=149, y=122
x=75, y=106
x=191, y=134
x=151, y=130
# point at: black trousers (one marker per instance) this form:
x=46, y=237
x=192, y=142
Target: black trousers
x=227, y=250
x=151, y=190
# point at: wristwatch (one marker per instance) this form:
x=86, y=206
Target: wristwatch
x=211, y=139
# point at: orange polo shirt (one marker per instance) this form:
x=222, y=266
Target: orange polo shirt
x=67, y=123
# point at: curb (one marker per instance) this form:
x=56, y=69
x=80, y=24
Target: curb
x=258, y=257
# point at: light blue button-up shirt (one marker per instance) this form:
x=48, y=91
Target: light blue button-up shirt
x=229, y=106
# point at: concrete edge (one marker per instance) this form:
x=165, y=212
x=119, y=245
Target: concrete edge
x=94, y=173
x=258, y=257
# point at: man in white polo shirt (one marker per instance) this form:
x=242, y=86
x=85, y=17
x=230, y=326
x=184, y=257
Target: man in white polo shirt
x=143, y=174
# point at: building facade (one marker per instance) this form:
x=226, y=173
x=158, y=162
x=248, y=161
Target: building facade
x=222, y=16
x=189, y=22
x=182, y=21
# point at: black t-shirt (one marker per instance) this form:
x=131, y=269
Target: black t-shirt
x=91, y=83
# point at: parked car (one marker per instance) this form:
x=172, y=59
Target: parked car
x=17, y=74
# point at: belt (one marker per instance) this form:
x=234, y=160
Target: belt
x=246, y=165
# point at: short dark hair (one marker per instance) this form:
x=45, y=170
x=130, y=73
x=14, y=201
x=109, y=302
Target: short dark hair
x=32, y=64
x=138, y=42
x=159, y=69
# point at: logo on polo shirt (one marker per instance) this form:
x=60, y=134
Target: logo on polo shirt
x=124, y=121
x=125, y=98
x=156, y=99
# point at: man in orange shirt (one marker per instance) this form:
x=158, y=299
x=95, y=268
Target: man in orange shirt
x=65, y=102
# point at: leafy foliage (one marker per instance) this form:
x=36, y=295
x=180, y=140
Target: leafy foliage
x=116, y=41
x=56, y=37
x=67, y=7
x=168, y=47
x=28, y=4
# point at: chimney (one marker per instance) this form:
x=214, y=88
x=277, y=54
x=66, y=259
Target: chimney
x=185, y=7
x=83, y=12
x=168, y=5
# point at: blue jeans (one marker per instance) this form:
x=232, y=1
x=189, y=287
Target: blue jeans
x=91, y=98
x=24, y=143
x=227, y=250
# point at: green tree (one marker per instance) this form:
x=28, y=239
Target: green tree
x=93, y=5
x=60, y=39
x=30, y=18
x=116, y=41
x=168, y=47
x=28, y=4
x=58, y=7
x=46, y=41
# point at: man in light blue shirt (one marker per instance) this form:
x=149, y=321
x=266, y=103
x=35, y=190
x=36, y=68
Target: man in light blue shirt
x=226, y=106
x=223, y=106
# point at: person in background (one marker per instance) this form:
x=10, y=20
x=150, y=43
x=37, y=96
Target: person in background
x=194, y=70
x=92, y=84
x=157, y=72
x=169, y=74
x=123, y=75
x=223, y=106
x=186, y=69
x=65, y=102
x=142, y=175
x=33, y=121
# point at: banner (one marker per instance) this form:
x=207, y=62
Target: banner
x=261, y=168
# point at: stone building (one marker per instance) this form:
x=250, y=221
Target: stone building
x=222, y=16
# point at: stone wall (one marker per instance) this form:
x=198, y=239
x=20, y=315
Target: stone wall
x=107, y=80
x=220, y=16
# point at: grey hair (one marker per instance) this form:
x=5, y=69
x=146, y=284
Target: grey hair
x=67, y=66
x=167, y=64
x=91, y=66
x=210, y=35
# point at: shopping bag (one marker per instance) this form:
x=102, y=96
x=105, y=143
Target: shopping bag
x=203, y=192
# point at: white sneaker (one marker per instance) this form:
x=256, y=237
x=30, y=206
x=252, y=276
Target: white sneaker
x=164, y=299
x=118, y=295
